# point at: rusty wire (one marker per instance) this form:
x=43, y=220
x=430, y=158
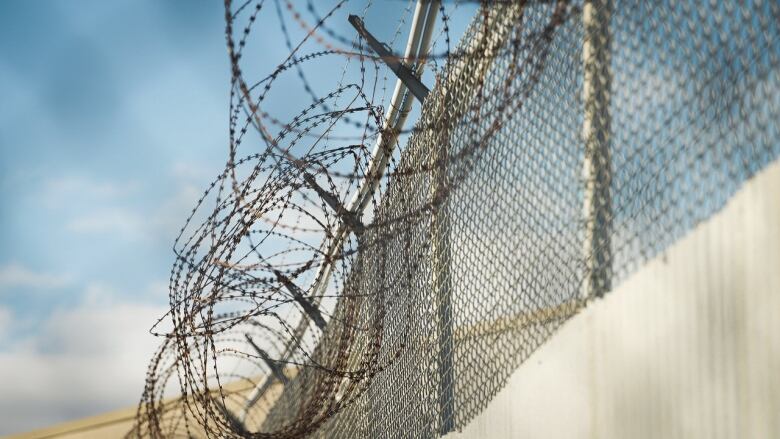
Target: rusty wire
x=470, y=252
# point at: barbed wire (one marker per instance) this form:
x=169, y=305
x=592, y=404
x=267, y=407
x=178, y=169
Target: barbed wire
x=243, y=275
x=312, y=272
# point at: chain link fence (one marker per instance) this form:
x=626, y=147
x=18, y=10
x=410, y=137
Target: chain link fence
x=563, y=145
x=542, y=176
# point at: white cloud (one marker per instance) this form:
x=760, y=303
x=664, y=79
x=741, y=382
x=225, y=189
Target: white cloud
x=15, y=275
x=5, y=321
x=70, y=188
x=193, y=172
x=108, y=220
x=156, y=222
x=82, y=361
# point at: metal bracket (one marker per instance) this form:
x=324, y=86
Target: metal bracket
x=308, y=307
x=234, y=422
x=273, y=365
x=349, y=217
x=404, y=73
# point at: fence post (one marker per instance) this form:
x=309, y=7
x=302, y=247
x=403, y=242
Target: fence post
x=597, y=172
x=442, y=288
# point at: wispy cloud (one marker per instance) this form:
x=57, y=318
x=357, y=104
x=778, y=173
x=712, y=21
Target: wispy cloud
x=15, y=275
x=6, y=320
x=188, y=171
x=65, y=189
x=108, y=220
x=84, y=360
x=160, y=221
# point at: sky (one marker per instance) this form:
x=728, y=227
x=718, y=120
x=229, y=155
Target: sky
x=113, y=120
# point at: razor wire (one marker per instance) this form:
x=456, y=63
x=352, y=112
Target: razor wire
x=562, y=145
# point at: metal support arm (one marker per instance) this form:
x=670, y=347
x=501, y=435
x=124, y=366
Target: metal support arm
x=404, y=73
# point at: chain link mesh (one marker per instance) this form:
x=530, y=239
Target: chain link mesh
x=567, y=144
x=479, y=281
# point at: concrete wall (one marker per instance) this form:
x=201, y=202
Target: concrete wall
x=109, y=425
x=688, y=347
x=118, y=423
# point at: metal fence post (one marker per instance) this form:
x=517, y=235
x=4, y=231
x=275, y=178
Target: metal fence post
x=597, y=172
x=442, y=288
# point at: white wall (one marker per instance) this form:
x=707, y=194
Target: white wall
x=688, y=347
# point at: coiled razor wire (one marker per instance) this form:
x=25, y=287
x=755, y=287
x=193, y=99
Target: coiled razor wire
x=563, y=144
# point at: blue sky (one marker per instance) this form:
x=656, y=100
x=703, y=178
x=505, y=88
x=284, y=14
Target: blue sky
x=113, y=119
x=111, y=115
